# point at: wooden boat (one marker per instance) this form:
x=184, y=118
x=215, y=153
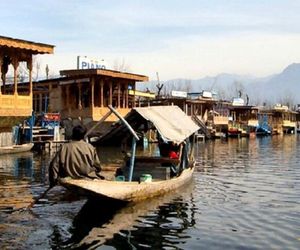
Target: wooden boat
x=262, y=131
x=166, y=174
x=127, y=191
x=233, y=132
x=16, y=148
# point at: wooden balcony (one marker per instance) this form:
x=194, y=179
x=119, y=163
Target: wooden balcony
x=14, y=109
x=221, y=120
x=253, y=123
x=98, y=113
x=290, y=124
x=15, y=105
x=93, y=114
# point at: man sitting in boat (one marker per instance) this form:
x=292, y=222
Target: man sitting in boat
x=76, y=159
x=174, y=151
x=170, y=150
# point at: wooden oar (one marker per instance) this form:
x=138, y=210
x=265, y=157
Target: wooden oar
x=39, y=197
x=98, y=123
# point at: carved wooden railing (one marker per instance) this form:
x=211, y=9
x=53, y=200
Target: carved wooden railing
x=221, y=120
x=253, y=123
x=98, y=113
x=287, y=123
x=94, y=114
x=15, y=105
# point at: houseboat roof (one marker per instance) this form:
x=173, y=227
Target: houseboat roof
x=170, y=121
x=243, y=107
x=103, y=72
x=31, y=47
x=274, y=110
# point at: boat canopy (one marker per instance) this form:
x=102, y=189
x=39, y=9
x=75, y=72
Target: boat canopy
x=170, y=121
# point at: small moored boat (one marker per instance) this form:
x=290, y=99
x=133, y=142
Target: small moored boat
x=144, y=176
x=16, y=148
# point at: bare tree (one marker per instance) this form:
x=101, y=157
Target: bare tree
x=178, y=85
x=237, y=88
x=183, y=85
x=222, y=94
x=256, y=100
x=23, y=72
x=287, y=99
x=121, y=65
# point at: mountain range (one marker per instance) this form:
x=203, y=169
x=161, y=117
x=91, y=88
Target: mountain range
x=283, y=88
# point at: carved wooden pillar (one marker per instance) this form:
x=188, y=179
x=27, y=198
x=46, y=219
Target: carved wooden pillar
x=40, y=102
x=101, y=92
x=79, y=96
x=15, y=64
x=92, y=92
x=67, y=102
x=6, y=60
x=133, y=104
x=201, y=111
x=123, y=97
x=110, y=92
x=126, y=95
x=119, y=94
x=34, y=102
x=50, y=104
x=29, y=67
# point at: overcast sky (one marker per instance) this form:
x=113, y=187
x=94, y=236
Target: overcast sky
x=178, y=39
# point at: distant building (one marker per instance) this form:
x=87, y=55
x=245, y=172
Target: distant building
x=83, y=95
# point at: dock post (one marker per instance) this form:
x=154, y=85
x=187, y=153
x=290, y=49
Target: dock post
x=31, y=123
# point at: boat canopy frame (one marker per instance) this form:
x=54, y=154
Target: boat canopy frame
x=171, y=123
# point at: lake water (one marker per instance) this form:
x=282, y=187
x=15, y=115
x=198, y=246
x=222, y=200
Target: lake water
x=245, y=195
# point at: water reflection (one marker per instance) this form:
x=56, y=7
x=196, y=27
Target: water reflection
x=153, y=223
x=16, y=173
x=249, y=193
x=16, y=166
x=23, y=176
x=166, y=228
x=242, y=153
x=245, y=195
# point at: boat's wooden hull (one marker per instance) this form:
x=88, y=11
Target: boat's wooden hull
x=127, y=191
x=16, y=148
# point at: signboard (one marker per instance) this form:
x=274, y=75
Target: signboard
x=84, y=62
x=179, y=93
x=206, y=94
x=141, y=93
x=238, y=102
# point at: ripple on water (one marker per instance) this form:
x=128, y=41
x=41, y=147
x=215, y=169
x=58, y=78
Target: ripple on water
x=253, y=198
x=245, y=195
